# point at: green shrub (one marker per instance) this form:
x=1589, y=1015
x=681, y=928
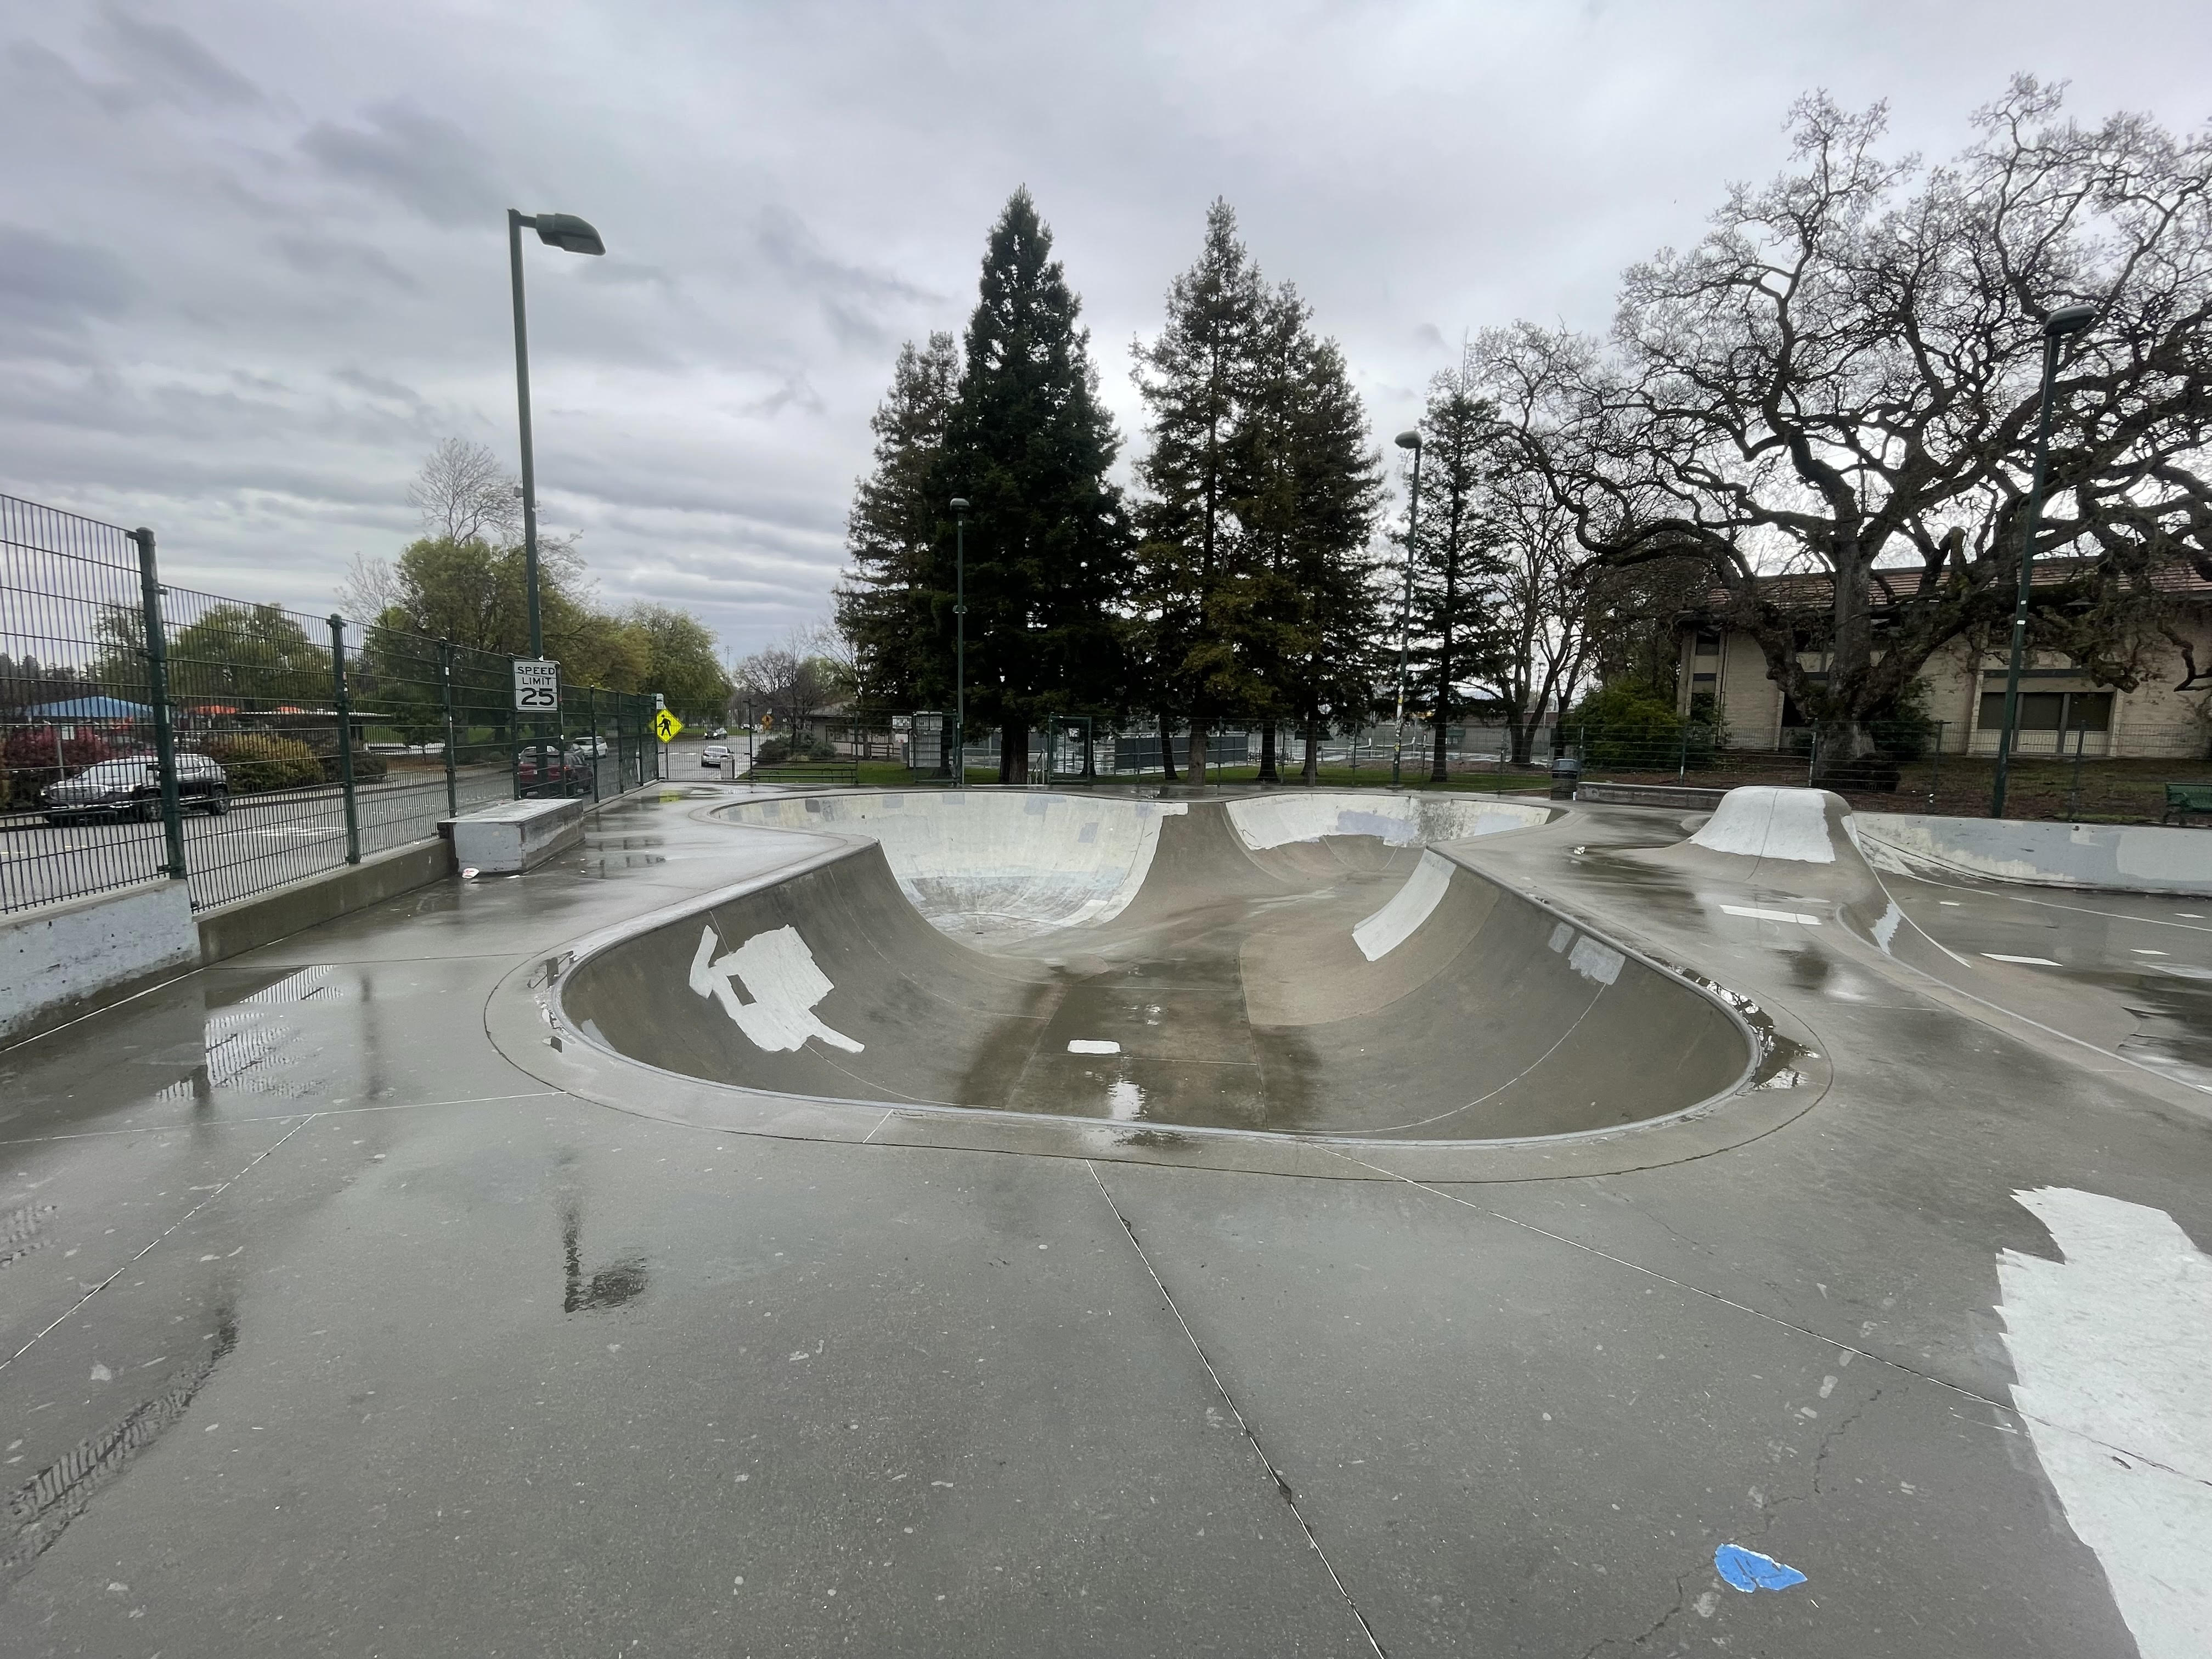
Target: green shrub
x=255, y=762
x=1631, y=728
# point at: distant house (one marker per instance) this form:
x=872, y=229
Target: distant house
x=2059, y=701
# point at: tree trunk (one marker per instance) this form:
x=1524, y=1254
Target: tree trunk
x=1311, y=773
x=1198, y=754
x=1014, y=751
x=1167, y=749
x=1436, y=772
x=1267, y=774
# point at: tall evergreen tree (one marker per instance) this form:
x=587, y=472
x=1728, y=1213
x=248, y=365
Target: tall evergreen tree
x=1260, y=493
x=1199, y=380
x=884, y=607
x=1455, y=565
x=1028, y=443
x=1312, y=624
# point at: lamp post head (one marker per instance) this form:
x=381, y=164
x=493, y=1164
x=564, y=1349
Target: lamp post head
x=1409, y=440
x=2068, y=319
x=566, y=232
x=959, y=503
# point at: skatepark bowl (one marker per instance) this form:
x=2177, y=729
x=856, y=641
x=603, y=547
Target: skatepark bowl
x=1291, y=964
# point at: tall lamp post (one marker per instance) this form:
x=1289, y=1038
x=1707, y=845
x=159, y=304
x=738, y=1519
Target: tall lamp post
x=1406, y=440
x=959, y=643
x=572, y=235
x=2067, y=319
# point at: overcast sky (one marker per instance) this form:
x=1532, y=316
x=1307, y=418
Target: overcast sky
x=252, y=260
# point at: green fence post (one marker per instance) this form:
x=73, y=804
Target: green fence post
x=591, y=705
x=1936, y=765
x=1682, y=759
x=446, y=681
x=157, y=694
x=2074, y=796
x=345, y=739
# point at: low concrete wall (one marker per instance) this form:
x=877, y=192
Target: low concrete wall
x=1679, y=797
x=61, y=960
x=229, y=929
x=2125, y=858
x=515, y=837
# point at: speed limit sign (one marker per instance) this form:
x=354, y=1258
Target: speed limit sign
x=536, y=686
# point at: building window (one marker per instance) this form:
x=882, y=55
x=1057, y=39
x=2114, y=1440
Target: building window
x=1709, y=645
x=2051, y=711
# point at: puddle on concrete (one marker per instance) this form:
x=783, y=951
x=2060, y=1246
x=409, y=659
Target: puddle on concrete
x=610, y=1286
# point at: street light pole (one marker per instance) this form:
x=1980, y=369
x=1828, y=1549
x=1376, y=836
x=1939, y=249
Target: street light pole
x=1406, y=440
x=959, y=643
x=572, y=234
x=2068, y=319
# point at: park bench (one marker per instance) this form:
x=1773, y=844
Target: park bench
x=2182, y=799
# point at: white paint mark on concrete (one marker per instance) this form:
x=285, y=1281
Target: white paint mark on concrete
x=1885, y=930
x=778, y=972
x=1596, y=962
x=1757, y=915
x=2031, y=962
x=2114, y=1349
x=1409, y=907
x=1562, y=936
x=1763, y=822
x=1093, y=1046
x=2146, y=953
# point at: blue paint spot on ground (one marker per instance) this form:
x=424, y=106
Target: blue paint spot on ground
x=1749, y=1570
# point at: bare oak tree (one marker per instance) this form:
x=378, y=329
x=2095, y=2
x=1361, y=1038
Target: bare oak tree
x=1840, y=377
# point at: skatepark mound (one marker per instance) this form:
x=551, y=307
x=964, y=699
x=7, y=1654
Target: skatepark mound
x=1303, y=963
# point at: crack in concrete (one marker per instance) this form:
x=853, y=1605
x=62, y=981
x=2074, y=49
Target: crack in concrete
x=1282, y=1486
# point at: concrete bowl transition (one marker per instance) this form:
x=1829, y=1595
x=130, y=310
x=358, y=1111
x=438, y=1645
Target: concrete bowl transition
x=1301, y=963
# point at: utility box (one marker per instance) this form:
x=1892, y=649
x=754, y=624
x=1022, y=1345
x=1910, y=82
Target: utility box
x=1566, y=773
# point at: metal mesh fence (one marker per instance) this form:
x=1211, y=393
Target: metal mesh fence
x=79, y=792
x=296, y=743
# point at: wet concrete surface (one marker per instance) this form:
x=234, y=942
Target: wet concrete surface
x=327, y=1330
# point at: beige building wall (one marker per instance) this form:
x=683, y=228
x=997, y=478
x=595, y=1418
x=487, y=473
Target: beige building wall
x=2155, y=721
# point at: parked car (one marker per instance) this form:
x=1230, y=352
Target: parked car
x=547, y=768
x=716, y=755
x=129, y=786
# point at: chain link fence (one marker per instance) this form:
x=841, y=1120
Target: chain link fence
x=148, y=730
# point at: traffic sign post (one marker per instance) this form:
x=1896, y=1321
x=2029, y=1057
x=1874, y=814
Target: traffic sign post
x=536, y=686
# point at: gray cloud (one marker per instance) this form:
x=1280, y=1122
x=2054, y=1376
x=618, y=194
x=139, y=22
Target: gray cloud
x=46, y=283
x=262, y=266
x=164, y=62
x=424, y=162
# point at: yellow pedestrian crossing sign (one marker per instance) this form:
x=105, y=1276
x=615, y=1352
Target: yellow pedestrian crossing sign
x=665, y=725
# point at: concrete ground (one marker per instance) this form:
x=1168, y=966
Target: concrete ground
x=326, y=1329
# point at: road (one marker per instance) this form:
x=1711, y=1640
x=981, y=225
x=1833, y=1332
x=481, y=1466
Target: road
x=263, y=842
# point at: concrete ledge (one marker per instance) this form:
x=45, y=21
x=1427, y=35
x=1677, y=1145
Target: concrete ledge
x=241, y=925
x=1681, y=797
x=63, y=960
x=2119, y=857
x=516, y=835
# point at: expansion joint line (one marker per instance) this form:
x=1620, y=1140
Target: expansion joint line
x=1283, y=1486
x=164, y=1234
